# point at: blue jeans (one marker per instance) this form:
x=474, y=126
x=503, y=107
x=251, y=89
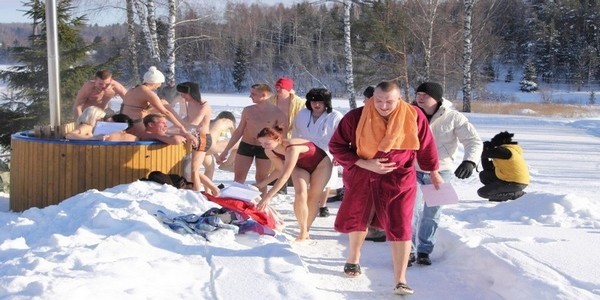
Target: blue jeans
x=426, y=219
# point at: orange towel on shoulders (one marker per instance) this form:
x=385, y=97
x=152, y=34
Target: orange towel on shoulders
x=374, y=134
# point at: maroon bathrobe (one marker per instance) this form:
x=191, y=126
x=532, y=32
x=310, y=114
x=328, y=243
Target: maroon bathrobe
x=392, y=195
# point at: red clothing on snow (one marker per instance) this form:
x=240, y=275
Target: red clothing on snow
x=393, y=194
x=245, y=208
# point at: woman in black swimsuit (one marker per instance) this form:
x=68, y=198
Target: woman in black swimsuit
x=309, y=167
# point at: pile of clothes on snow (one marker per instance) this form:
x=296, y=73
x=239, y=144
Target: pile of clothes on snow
x=211, y=220
x=235, y=214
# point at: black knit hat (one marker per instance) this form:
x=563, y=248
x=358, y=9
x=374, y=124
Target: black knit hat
x=368, y=93
x=432, y=89
x=190, y=88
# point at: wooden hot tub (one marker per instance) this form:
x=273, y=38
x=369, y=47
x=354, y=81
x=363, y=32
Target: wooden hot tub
x=46, y=171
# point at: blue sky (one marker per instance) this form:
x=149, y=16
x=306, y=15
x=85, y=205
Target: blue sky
x=12, y=11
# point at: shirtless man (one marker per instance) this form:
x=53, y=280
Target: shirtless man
x=286, y=99
x=254, y=118
x=198, y=120
x=97, y=92
x=156, y=130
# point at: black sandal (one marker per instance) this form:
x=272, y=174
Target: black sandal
x=352, y=270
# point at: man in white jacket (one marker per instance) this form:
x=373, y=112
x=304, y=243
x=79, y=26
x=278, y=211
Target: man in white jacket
x=449, y=128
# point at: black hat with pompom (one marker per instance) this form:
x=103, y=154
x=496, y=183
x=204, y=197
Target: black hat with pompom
x=502, y=138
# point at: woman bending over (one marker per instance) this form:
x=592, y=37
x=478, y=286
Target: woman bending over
x=308, y=165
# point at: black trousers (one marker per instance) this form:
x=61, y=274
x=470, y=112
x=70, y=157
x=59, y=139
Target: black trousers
x=492, y=185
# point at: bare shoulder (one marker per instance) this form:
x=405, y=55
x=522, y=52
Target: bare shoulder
x=87, y=86
x=297, y=141
x=269, y=108
x=117, y=84
x=206, y=112
x=250, y=108
x=150, y=94
x=272, y=107
x=255, y=112
x=278, y=111
x=223, y=124
x=118, y=87
x=206, y=107
x=84, y=129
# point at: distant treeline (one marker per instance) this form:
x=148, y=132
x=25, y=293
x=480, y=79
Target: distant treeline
x=417, y=40
x=17, y=34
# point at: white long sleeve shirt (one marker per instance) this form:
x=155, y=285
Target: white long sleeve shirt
x=319, y=131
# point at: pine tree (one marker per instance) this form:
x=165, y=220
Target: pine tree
x=530, y=72
x=28, y=81
x=529, y=82
x=509, y=76
x=240, y=66
x=488, y=73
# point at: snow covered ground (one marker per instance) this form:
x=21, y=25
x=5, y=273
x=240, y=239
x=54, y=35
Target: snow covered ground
x=108, y=245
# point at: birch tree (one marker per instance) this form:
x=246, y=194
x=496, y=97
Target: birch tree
x=171, y=40
x=348, y=54
x=467, y=54
x=469, y=36
x=132, y=41
x=146, y=34
x=152, y=29
x=348, y=64
x=423, y=32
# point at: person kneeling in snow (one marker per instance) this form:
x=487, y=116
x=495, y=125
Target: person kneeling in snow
x=505, y=174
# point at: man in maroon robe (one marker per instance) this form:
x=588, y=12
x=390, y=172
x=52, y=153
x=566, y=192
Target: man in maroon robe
x=377, y=145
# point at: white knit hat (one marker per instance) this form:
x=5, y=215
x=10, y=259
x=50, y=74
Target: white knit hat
x=154, y=76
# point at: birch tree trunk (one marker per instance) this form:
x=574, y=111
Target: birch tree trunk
x=467, y=55
x=405, y=69
x=152, y=28
x=132, y=41
x=146, y=34
x=431, y=14
x=423, y=27
x=348, y=54
x=171, y=41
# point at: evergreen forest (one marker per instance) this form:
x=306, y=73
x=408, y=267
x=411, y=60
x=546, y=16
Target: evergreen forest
x=227, y=50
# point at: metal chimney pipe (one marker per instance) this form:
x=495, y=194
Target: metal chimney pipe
x=53, y=66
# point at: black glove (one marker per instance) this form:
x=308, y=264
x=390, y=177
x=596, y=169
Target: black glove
x=465, y=169
x=487, y=145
